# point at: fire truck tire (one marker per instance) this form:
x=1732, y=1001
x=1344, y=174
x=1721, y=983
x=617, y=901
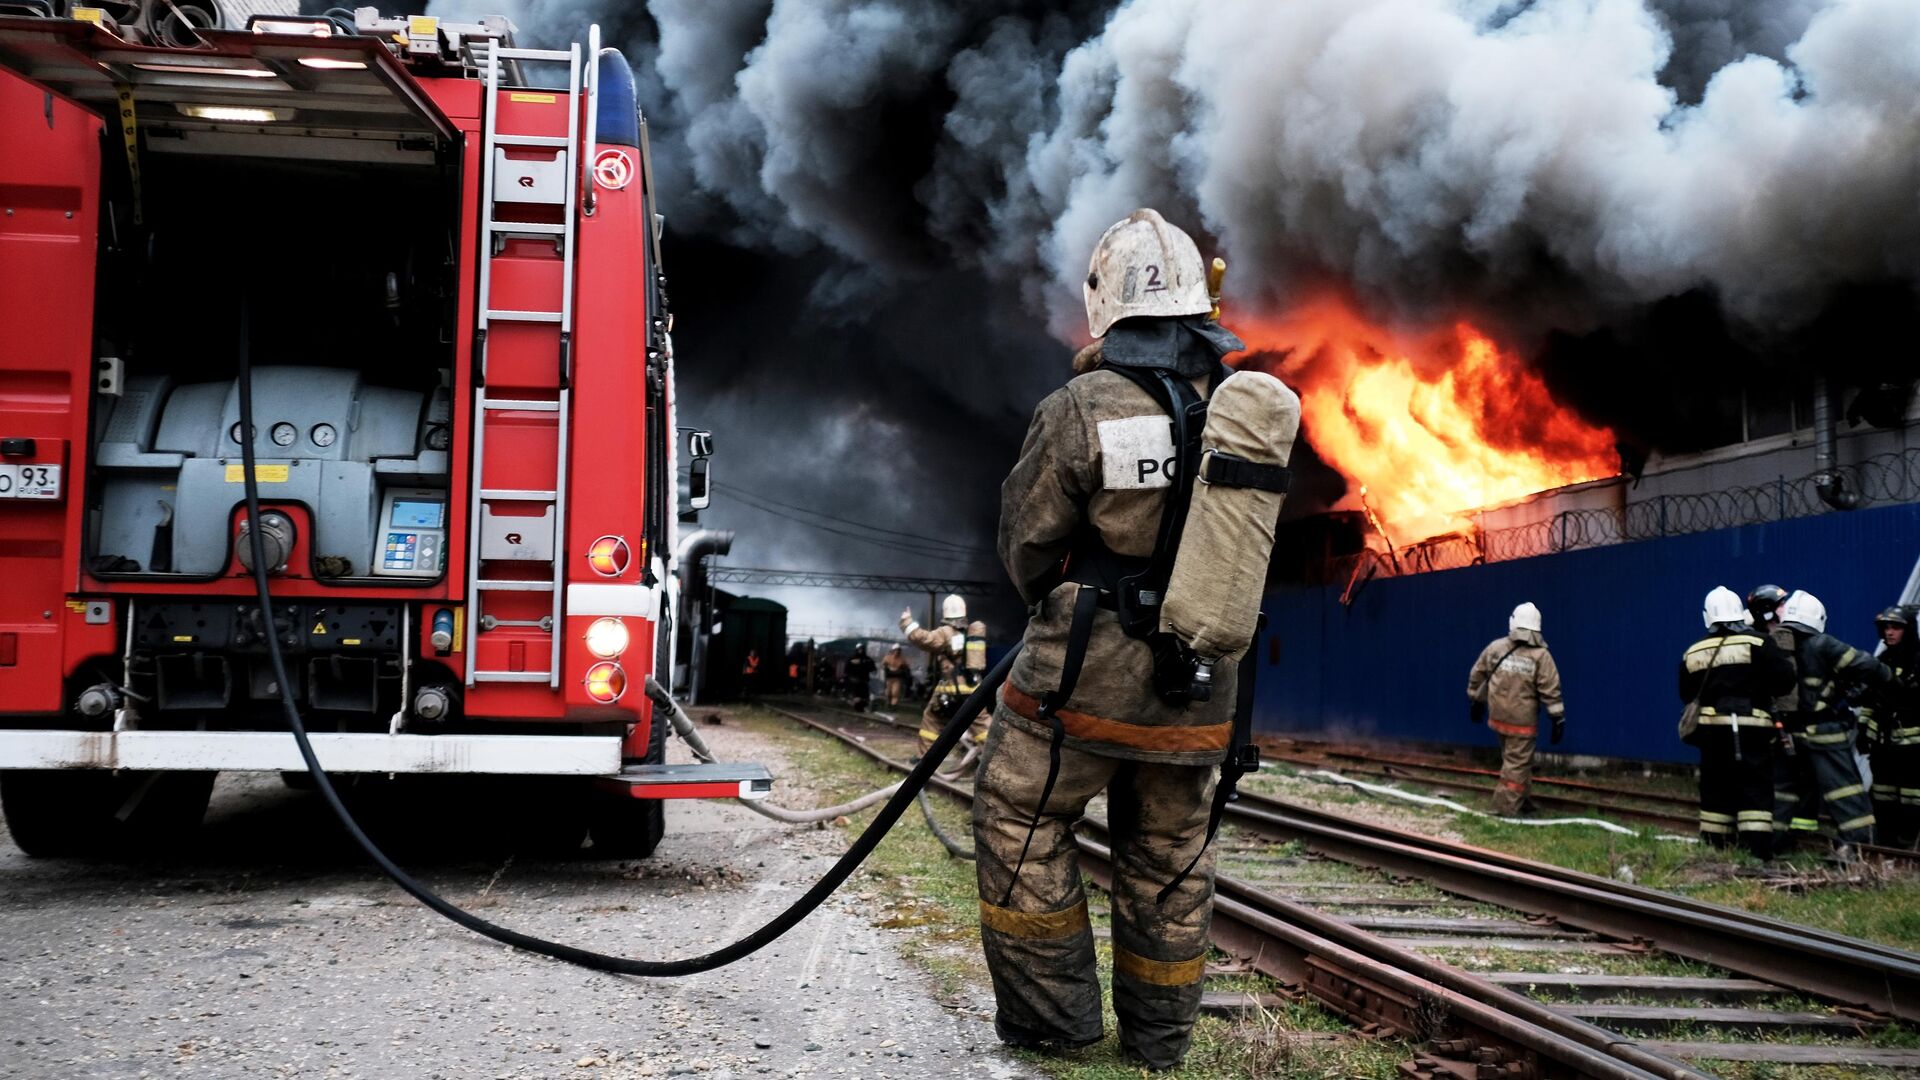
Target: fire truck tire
x=58, y=812
x=169, y=811
x=624, y=827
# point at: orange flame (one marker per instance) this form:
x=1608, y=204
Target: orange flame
x=1432, y=426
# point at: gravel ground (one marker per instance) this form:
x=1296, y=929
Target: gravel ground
x=266, y=949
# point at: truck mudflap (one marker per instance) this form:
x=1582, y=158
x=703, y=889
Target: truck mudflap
x=721, y=780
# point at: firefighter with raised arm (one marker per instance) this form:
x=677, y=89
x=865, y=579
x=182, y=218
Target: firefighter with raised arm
x=1511, y=681
x=1730, y=679
x=952, y=680
x=1144, y=587
x=1891, y=731
x=1824, y=731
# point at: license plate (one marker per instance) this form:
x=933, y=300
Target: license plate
x=29, y=481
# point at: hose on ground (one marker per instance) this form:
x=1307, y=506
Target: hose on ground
x=786, y=920
x=954, y=847
x=828, y=813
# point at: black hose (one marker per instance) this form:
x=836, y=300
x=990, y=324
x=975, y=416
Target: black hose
x=587, y=958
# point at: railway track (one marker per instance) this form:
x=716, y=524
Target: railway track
x=1380, y=951
x=1677, y=813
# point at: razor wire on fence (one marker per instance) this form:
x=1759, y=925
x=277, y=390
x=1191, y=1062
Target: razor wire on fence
x=1886, y=478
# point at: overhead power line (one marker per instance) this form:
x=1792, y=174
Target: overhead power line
x=875, y=535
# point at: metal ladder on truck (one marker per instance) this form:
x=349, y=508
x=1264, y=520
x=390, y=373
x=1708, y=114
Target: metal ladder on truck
x=543, y=306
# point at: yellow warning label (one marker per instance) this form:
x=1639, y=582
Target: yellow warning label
x=78, y=607
x=183, y=638
x=349, y=641
x=88, y=14
x=422, y=25
x=534, y=99
x=266, y=474
x=319, y=628
x=459, y=628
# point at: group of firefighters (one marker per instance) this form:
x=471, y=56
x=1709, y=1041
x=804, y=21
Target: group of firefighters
x=1789, y=720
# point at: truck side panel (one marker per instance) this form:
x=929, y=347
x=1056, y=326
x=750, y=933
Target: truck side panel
x=49, y=231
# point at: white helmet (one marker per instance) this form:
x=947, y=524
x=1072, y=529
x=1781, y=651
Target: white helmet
x=1144, y=266
x=1803, y=609
x=1524, y=617
x=1723, y=606
x=953, y=609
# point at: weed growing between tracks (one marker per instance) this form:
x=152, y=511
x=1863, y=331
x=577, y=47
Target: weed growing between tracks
x=1880, y=905
x=932, y=897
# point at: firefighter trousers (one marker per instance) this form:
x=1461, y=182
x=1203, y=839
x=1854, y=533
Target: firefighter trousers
x=1896, y=793
x=1516, y=772
x=1824, y=777
x=1037, y=938
x=1736, y=784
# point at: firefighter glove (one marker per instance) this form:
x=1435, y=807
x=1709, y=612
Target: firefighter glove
x=1559, y=729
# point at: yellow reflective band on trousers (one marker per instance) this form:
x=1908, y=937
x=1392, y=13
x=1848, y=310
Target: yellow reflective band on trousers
x=1159, y=972
x=1804, y=825
x=1046, y=924
x=1860, y=822
x=1756, y=821
x=1845, y=792
x=1827, y=738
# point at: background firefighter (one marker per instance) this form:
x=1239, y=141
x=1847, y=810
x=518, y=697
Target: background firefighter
x=898, y=674
x=1826, y=774
x=1731, y=677
x=1088, y=491
x=1891, y=730
x=951, y=682
x=1514, y=677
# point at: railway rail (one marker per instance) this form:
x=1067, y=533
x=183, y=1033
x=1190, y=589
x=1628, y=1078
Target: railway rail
x=1676, y=812
x=1374, y=968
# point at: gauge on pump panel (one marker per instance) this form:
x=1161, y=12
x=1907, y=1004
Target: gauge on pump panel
x=323, y=435
x=284, y=433
x=234, y=431
x=439, y=437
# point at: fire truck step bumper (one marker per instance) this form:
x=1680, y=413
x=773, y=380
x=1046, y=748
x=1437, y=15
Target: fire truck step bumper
x=725, y=780
x=272, y=751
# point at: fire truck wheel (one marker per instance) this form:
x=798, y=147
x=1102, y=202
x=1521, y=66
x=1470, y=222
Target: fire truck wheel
x=624, y=827
x=556, y=823
x=169, y=809
x=57, y=812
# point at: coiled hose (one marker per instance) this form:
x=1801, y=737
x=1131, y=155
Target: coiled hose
x=587, y=958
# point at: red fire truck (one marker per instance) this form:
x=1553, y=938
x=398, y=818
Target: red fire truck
x=440, y=253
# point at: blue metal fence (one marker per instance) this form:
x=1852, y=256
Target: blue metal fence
x=1394, y=664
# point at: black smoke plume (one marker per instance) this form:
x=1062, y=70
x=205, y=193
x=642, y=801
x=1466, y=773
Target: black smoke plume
x=880, y=211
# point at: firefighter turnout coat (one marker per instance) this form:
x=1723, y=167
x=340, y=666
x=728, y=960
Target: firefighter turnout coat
x=1517, y=677
x=1097, y=457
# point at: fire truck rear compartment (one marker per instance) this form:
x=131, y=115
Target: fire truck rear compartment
x=346, y=276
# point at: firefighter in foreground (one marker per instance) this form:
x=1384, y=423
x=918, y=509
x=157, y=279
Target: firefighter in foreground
x=953, y=679
x=1729, y=680
x=1145, y=588
x=1514, y=677
x=1891, y=720
x=1826, y=776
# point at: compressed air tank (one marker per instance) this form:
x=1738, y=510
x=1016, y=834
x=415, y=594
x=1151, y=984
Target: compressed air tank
x=1220, y=572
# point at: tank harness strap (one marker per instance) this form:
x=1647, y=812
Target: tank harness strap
x=1232, y=470
x=1050, y=706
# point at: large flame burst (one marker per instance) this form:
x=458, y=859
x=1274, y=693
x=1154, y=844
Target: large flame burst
x=1431, y=426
